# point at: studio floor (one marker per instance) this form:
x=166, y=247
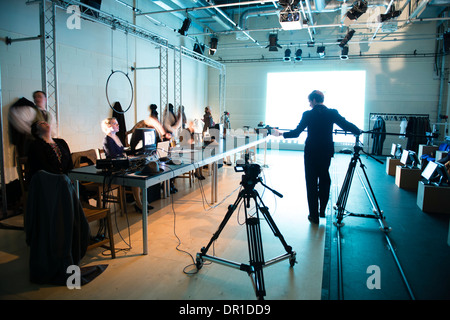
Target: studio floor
x=179, y=226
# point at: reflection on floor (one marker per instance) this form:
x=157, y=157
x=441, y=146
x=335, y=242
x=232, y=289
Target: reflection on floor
x=419, y=241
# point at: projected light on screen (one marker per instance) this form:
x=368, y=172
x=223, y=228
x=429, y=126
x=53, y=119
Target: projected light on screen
x=287, y=97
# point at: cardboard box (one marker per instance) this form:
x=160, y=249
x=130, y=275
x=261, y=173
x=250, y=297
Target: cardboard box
x=433, y=199
x=424, y=149
x=407, y=178
x=391, y=165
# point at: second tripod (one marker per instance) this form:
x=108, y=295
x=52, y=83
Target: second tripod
x=254, y=238
x=343, y=195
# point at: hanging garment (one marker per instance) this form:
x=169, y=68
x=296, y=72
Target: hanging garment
x=416, y=132
x=403, y=125
x=378, y=135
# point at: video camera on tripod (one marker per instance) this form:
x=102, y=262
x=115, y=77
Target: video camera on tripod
x=250, y=178
x=251, y=175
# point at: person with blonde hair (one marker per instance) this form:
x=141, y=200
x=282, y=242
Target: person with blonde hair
x=112, y=145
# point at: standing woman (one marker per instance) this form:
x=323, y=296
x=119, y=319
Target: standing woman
x=207, y=119
x=47, y=153
x=111, y=143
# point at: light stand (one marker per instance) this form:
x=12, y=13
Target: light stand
x=255, y=246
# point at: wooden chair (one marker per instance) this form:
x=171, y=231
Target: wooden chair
x=95, y=214
x=89, y=157
x=188, y=175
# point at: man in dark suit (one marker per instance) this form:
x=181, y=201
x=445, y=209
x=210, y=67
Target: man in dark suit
x=319, y=149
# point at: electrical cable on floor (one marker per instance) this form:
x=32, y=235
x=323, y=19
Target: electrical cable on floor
x=107, y=194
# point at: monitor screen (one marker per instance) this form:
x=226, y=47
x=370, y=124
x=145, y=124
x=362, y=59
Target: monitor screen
x=429, y=170
x=393, y=149
x=143, y=140
x=149, y=138
x=405, y=157
x=436, y=173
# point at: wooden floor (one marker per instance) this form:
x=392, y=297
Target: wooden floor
x=186, y=222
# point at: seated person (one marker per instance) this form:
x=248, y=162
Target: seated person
x=150, y=122
x=47, y=153
x=111, y=143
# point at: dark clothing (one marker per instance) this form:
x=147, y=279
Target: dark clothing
x=208, y=121
x=416, y=131
x=319, y=148
x=120, y=117
x=42, y=156
x=318, y=182
x=57, y=231
x=112, y=150
x=319, y=122
x=379, y=136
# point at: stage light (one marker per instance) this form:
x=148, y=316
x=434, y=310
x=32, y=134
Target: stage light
x=347, y=38
x=287, y=55
x=213, y=46
x=344, y=53
x=321, y=52
x=185, y=27
x=391, y=14
x=199, y=48
x=358, y=9
x=298, y=55
x=273, y=43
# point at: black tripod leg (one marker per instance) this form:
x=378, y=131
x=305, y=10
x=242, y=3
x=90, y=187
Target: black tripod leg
x=373, y=200
x=265, y=212
x=231, y=209
x=343, y=195
x=256, y=254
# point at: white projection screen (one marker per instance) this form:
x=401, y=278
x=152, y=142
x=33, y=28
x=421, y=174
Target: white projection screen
x=287, y=97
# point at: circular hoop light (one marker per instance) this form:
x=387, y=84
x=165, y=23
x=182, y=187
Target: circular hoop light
x=131, y=87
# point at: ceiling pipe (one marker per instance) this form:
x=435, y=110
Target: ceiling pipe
x=309, y=12
x=234, y=24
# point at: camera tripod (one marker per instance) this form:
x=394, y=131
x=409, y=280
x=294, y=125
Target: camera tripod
x=377, y=214
x=343, y=195
x=255, y=246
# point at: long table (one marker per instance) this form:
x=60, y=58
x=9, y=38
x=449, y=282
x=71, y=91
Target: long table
x=192, y=158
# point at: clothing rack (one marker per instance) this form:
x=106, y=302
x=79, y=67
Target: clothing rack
x=388, y=117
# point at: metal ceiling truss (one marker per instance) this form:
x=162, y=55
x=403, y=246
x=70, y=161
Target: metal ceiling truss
x=49, y=72
x=48, y=51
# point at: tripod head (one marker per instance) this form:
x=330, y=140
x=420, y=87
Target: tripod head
x=251, y=176
x=358, y=147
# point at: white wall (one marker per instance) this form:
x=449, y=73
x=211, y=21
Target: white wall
x=84, y=60
x=393, y=85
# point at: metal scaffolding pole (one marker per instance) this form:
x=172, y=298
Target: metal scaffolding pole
x=163, y=79
x=178, y=86
x=49, y=74
x=222, y=86
x=2, y=160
